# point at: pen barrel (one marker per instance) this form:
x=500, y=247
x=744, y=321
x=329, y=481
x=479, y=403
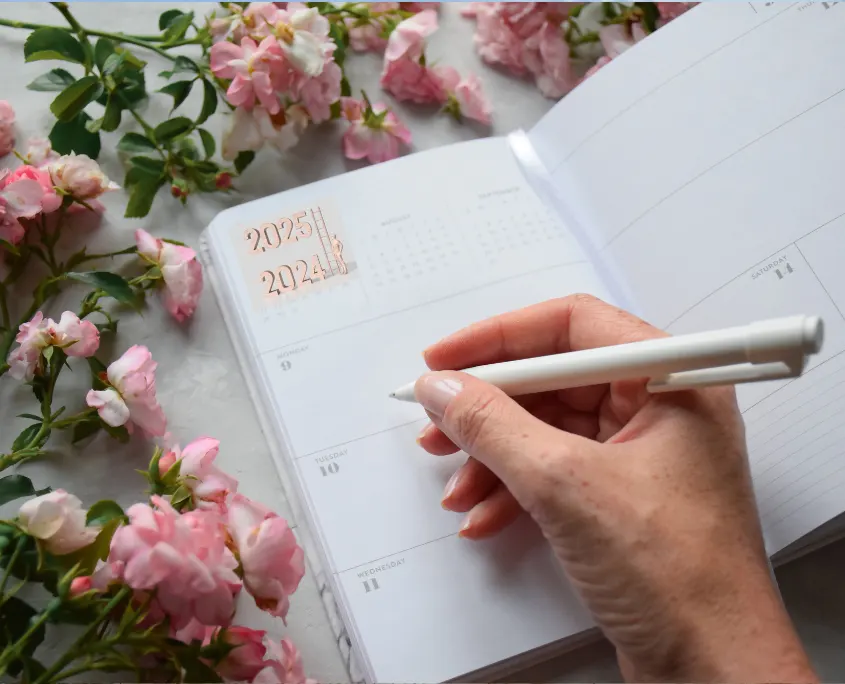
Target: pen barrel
x=786, y=340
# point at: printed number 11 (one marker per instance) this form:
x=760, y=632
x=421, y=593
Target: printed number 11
x=370, y=585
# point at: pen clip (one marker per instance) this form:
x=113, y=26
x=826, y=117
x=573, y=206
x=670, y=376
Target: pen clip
x=727, y=375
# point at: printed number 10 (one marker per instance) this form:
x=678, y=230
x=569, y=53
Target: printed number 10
x=329, y=469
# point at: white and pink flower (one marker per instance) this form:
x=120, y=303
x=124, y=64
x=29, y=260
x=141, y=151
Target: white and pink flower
x=57, y=519
x=131, y=394
x=19, y=199
x=50, y=199
x=180, y=270
x=374, y=132
x=273, y=563
x=7, y=128
x=284, y=665
x=251, y=130
x=80, y=177
x=465, y=94
x=75, y=336
x=209, y=485
x=405, y=74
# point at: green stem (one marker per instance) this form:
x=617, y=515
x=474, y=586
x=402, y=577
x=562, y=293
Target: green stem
x=12, y=652
x=4, y=306
x=73, y=420
x=17, y=552
x=73, y=652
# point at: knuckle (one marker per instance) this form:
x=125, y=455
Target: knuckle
x=474, y=420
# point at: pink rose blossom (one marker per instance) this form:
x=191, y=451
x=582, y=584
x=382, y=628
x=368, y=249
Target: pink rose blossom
x=210, y=485
x=370, y=135
x=602, y=61
x=7, y=128
x=40, y=152
x=409, y=80
x=284, y=665
x=246, y=659
x=50, y=200
x=251, y=68
x=132, y=393
x=407, y=41
x=616, y=38
x=367, y=37
x=18, y=199
x=273, y=563
x=251, y=130
x=550, y=61
x=465, y=93
x=496, y=41
x=672, y=10
x=80, y=177
x=80, y=585
x=180, y=270
x=320, y=92
x=183, y=558
x=167, y=460
x=57, y=519
x=77, y=338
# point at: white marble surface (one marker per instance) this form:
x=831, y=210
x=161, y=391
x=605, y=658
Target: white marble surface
x=200, y=385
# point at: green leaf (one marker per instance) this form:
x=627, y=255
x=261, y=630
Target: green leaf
x=208, y=144
x=209, y=102
x=166, y=18
x=151, y=166
x=56, y=79
x=575, y=11
x=16, y=486
x=73, y=99
x=103, y=512
x=337, y=34
x=73, y=136
x=26, y=436
x=177, y=27
x=98, y=368
x=197, y=671
x=121, y=434
x=133, y=87
x=142, y=196
x=243, y=160
x=206, y=167
x=31, y=416
x=178, y=90
x=181, y=495
x=188, y=149
x=102, y=50
x=88, y=556
x=172, y=128
x=135, y=142
x=345, y=88
x=113, y=63
x=110, y=283
x=650, y=15
x=16, y=618
x=334, y=109
x=94, y=125
x=111, y=117
x=53, y=43
x=182, y=65
x=84, y=429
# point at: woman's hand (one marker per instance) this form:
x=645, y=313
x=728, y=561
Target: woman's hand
x=645, y=499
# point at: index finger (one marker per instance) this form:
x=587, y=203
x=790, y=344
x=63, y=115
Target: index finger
x=566, y=324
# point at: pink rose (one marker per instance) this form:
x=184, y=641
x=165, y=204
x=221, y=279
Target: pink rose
x=40, y=153
x=672, y=10
x=80, y=177
x=273, y=563
x=496, y=41
x=246, y=659
x=407, y=41
x=18, y=199
x=320, y=92
x=409, y=80
x=183, y=558
x=210, y=485
x=616, y=38
x=7, y=128
x=131, y=394
x=465, y=94
x=304, y=38
x=284, y=665
x=80, y=585
x=58, y=520
x=50, y=200
x=76, y=337
x=367, y=37
x=252, y=129
x=251, y=68
x=370, y=134
x=549, y=61
x=180, y=270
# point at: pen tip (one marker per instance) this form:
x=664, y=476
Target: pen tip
x=392, y=395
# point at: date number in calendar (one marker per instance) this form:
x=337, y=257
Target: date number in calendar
x=297, y=251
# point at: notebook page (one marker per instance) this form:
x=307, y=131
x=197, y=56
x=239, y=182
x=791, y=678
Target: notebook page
x=712, y=179
x=429, y=243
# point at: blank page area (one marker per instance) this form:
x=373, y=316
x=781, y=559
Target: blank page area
x=432, y=242
x=724, y=173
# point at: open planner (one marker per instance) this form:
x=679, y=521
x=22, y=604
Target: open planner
x=698, y=180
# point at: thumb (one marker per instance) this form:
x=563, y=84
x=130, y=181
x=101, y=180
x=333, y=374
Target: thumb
x=489, y=425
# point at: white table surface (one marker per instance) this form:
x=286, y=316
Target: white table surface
x=200, y=385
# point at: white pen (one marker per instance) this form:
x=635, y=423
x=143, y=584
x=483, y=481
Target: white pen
x=767, y=350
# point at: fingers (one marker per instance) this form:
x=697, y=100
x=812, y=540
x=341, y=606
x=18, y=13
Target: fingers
x=558, y=325
x=432, y=439
x=492, y=515
x=490, y=426
x=470, y=484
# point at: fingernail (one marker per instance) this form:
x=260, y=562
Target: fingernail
x=424, y=432
x=467, y=525
x=436, y=390
x=450, y=488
